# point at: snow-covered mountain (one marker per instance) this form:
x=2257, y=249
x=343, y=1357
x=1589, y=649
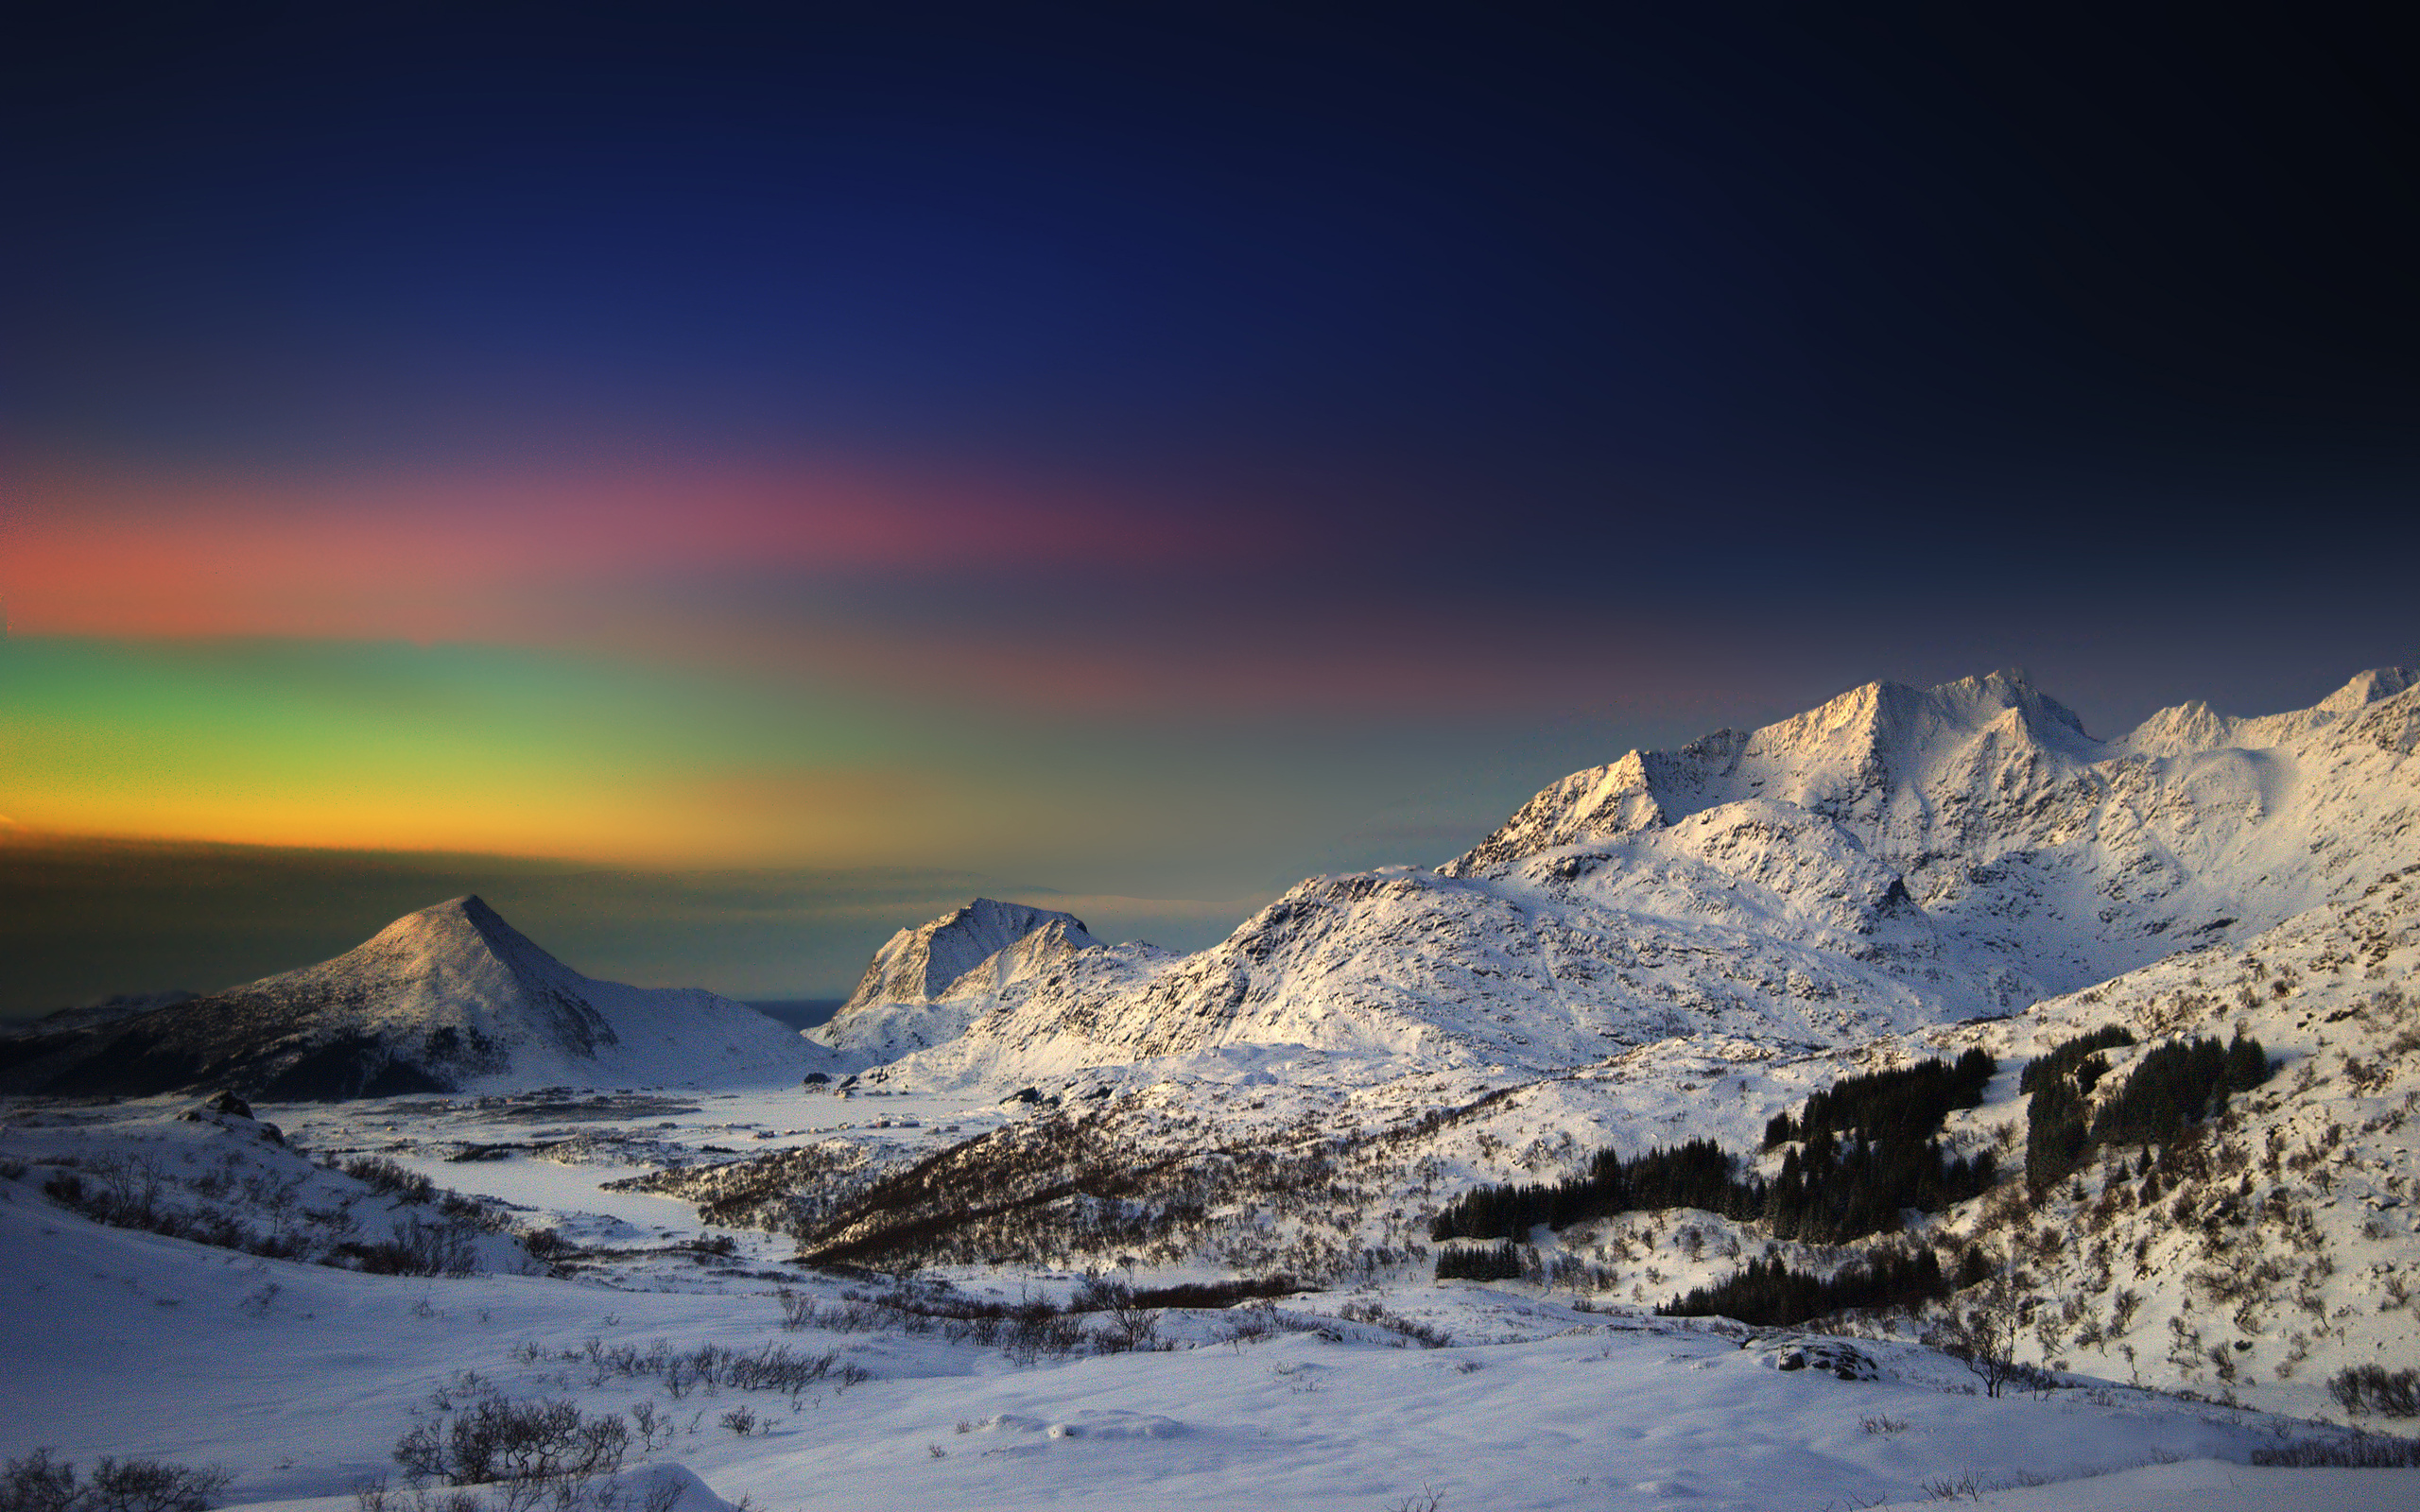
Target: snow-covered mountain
x=928, y=984
x=1895, y=858
x=448, y=999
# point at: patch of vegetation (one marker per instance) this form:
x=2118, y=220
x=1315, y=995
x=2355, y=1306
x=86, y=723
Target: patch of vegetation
x=713, y=1367
x=1898, y=1105
x=2362, y=1452
x=1830, y=1190
x=2178, y=1083
x=1695, y=1174
x=1219, y=1294
x=37, y=1483
x=1480, y=1262
x=260, y=1211
x=1770, y=1293
x=389, y=1180
x=2374, y=1388
x=2068, y=1056
x=1425, y=1336
x=2170, y=1088
x=1103, y=1186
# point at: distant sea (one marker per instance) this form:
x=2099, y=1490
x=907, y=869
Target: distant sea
x=801, y=1013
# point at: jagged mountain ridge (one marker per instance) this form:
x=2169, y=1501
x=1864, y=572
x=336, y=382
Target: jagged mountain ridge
x=449, y=998
x=1895, y=858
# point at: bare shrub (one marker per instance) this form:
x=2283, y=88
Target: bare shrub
x=37, y=1483
x=534, y=1449
x=1411, y=1329
x=2374, y=1388
x=420, y=1249
x=1981, y=1332
x=2361, y=1451
x=741, y=1421
x=388, y=1178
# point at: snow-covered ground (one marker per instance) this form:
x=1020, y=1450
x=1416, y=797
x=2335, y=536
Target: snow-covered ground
x=301, y=1378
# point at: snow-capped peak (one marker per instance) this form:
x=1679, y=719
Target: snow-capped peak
x=918, y=965
x=1894, y=857
x=1871, y=742
x=2369, y=687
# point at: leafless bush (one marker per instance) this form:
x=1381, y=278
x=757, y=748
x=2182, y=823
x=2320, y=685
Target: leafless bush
x=532, y=1450
x=420, y=1249
x=1418, y=1332
x=388, y=1178
x=798, y=1310
x=2374, y=1388
x=1133, y=1326
x=2361, y=1451
x=1981, y=1332
x=37, y=1483
x=741, y=1421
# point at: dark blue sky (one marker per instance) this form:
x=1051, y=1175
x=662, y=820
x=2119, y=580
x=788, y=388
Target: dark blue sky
x=1753, y=256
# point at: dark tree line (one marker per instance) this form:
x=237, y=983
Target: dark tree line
x=2069, y=1057
x=1494, y=1262
x=1695, y=1174
x=1905, y=1105
x=2179, y=1083
x=1836, y=1192
x=1829, y=1189
x=2172, y=1085
x=1769, y=1294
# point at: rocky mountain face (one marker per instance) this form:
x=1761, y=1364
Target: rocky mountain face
x=1897, y=857
x=448, y=999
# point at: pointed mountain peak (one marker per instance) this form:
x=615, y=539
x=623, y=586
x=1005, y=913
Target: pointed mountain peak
x=1890, y=718
x=2368, y=688
x=918, y=965
x=463, y=930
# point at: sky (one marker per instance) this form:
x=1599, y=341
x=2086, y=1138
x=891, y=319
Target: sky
x=725, y=482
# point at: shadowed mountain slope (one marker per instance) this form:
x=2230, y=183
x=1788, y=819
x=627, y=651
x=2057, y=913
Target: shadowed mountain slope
x=447, y=999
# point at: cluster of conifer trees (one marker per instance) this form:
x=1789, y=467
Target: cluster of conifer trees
x=1830, y=1190
x=1771, y=1295
x=1493, y=1263
x=2173, y=1085
x=1696, y=1175
x=1892, y=1105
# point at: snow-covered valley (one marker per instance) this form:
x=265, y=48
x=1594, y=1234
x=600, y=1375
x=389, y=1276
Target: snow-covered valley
x=977, y=1257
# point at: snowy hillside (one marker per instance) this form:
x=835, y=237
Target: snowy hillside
x=1896, y=858
x=451, y=998
x=2274, y=1244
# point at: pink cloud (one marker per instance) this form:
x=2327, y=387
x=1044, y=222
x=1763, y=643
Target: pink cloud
x=124, y=552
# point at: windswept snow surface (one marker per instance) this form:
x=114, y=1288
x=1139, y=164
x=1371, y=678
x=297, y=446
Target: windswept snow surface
x=300, y=1379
